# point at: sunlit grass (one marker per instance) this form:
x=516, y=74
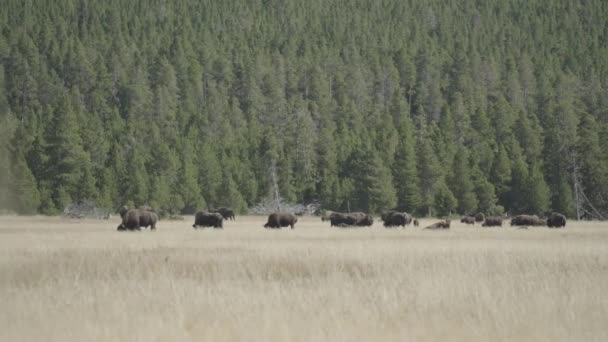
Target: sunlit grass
x=68, y=280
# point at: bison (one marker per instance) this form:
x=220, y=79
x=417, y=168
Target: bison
x=439, y=225
x=527, y=220
x=480, y=217
x=416, y=223
x=351, y=219
x=208, y=219
x=468, y=220
x=492, y=221
x=279, y=220
x=556, y=220
x=394, y=218
x=227, y=213
x=134, y=219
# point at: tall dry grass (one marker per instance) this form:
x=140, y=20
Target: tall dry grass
x=64, y=280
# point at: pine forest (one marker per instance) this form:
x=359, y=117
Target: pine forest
x=432, y=107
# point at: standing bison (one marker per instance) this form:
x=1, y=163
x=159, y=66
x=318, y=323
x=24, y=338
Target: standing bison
x=227, y=213
x=527, y=220
x=208, y=219
x=395, y=219
x=280, y=220
x=492, y=221
x=480, y=217
x=556, y=220
x=135, y=219
x=468, y=220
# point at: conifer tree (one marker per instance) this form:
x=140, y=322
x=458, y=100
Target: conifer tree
x=405, y=176
x=444, y=201
x=461, y=182
x=67, y=159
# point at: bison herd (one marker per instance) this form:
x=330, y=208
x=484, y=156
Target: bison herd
x=144, y=217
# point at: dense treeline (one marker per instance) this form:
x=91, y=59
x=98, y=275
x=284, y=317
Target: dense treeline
x=427, y=106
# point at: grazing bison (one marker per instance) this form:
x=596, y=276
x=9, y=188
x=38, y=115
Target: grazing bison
x=556, y=220
x=362, y=219
x=279, y=220
x=394, y=218
x=134, y=219
x=492, y=221
x=439, y=225
x=351, y=219
x=527, y=220
x=468, y=220
x=416, y=223
x=208, y=219
x=227, y=213
x=479, y=217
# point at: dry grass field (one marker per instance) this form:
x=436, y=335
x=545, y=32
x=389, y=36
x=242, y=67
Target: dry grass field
x=70, y=280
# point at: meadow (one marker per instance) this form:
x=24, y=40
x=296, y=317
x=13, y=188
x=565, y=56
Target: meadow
x=80, y=280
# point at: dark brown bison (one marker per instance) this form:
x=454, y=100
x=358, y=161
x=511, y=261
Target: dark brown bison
x=395, y=219
x=227, y=213
x=280, y=220
x=351, y=219
x=468, y=220
x=479, y=217
x=208, y=219
x=492, y=221
x=527, y=220
x=135, y=219
x=556, y=220
x=439, y=225
x=416, y=223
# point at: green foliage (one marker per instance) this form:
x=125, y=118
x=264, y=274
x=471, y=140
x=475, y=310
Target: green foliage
x=462, y=183
x=444, y=201
x=409, y=104
x=404, y=170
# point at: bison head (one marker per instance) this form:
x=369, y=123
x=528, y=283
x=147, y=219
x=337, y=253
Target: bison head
x=123, y=210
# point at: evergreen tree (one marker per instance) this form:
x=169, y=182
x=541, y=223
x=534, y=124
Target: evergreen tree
x=404, y=170
x=462, y=184
x=536, y=191
x=443, y=199
x=67, y=159
x=429, y=173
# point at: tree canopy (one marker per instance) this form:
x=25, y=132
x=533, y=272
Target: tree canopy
x=432, y=107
